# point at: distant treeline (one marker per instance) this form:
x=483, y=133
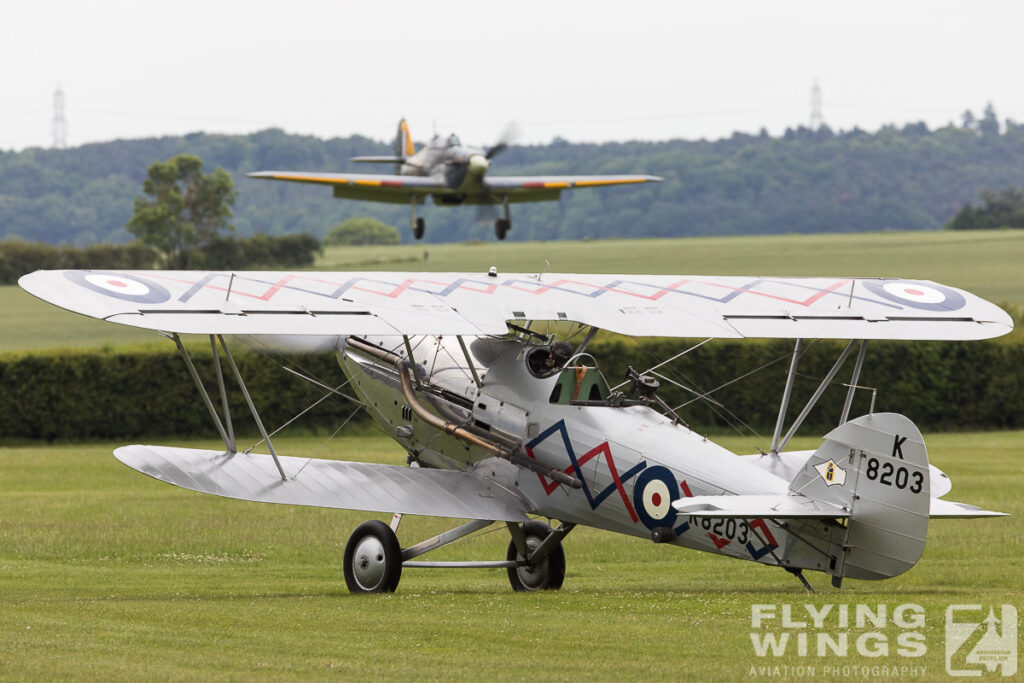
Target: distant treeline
x=997, y=209
x=18, y=257
x=136, y=395
x=905, y=178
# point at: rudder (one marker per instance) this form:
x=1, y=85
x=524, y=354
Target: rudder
x=876, y=466
x=403, y=145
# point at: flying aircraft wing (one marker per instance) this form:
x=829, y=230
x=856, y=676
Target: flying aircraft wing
x=399, y=188
x=539, y=188
x=367, y=186
x=329, y=483
x=381, y=303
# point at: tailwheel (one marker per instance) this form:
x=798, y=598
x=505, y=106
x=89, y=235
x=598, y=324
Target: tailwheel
x=501, y=227
x=418, y=228
x=373, y=559
x=545, y=574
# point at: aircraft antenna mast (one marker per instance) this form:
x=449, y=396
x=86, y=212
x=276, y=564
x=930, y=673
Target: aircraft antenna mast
x=59, y=123
x=816, y=118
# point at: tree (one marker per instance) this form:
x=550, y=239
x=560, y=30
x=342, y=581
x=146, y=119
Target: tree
x=989, y=124
x=362, y=230
x=1000, y=209
x=183, y=210
x=260, y=251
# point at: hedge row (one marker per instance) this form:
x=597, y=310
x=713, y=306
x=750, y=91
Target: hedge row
x=132, y=395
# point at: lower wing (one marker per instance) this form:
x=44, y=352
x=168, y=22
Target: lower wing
x=329, y=483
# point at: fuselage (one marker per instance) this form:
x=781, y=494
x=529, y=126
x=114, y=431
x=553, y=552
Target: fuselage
x=460, y=168
x=630, y=460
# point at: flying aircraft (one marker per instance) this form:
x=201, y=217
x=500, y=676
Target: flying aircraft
x=452, y=174
x=503, y=423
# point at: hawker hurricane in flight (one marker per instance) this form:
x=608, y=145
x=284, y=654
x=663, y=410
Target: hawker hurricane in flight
x=452, y=174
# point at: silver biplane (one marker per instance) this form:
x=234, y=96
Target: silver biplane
x=452, y=174
x=504, y=424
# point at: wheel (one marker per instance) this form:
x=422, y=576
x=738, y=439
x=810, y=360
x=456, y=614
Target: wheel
x=501, y=227
x=373, y=559
x=417, y=230
x=547, y=575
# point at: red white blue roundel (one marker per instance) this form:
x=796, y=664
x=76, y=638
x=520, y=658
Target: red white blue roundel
x=927, y=297
x=653, y=493
x=120, y=286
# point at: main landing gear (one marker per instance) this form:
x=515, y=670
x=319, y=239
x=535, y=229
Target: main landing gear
x=502, y=225
x=418, y=225
x=535, y=560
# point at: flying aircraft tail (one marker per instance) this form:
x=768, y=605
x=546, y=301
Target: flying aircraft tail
x=403, y=147
x=876, y=468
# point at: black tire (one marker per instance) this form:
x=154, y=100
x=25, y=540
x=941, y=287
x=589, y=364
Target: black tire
x=501, y=227
x=373, y=559
x=419, y=228
x=549, y=574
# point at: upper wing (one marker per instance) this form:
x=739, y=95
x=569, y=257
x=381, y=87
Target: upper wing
x=534, y=188
x=322, y=303
x=329, y=483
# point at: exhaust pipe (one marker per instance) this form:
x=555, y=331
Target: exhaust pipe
x=462, y=433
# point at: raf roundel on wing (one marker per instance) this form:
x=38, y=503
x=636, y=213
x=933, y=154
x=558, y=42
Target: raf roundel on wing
x=927, y=297
x=120, y=286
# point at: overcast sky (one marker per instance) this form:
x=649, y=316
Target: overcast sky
x=585, y=71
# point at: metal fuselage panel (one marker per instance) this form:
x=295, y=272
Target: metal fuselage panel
x=632, y=461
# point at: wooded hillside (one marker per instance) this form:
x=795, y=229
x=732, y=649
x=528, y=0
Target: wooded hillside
x=907, y=178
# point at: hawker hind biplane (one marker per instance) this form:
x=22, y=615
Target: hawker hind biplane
x=504, y=424
x=452, y=174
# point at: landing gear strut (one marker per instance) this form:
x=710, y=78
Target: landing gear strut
x=502, y=225
x=418, y=225
x=535, y=559
x=545, y=574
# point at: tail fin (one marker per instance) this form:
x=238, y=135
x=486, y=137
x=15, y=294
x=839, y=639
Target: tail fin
x=403, y=145
x=876, y=466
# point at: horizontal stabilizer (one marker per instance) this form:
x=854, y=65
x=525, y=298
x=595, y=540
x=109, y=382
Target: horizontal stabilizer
x=378, y=160
x=328, y=483
x=752, y=507
x=947, y=509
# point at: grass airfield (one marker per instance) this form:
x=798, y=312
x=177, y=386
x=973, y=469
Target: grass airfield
x=108, y=574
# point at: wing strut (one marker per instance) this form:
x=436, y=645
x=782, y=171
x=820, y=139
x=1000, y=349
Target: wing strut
x=784, y=405
x=223, y=393
x=227, y=436
x=469, y=361
x=854, y=379
x=252, y=407
x=814, y=397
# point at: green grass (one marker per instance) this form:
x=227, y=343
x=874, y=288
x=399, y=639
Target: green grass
x=107, y=574
x=985, y=263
